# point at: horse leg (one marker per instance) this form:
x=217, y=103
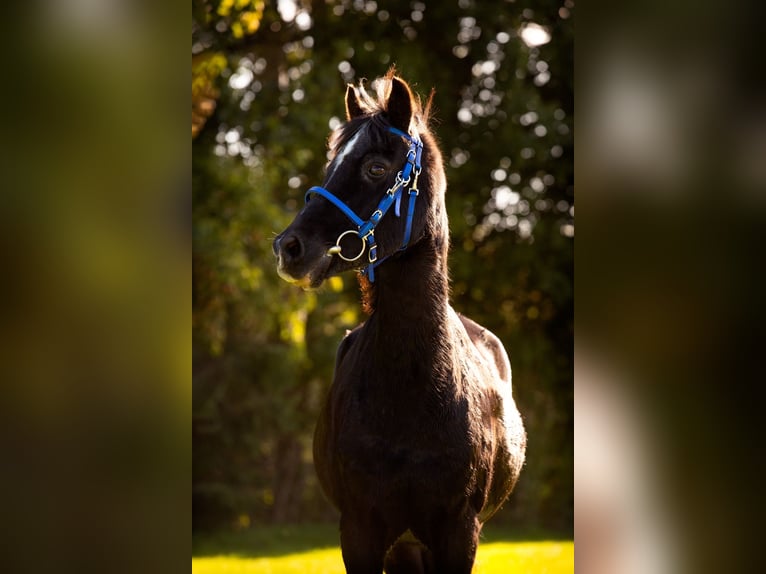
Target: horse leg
x=408, y=558
x=362, y=544
x=454, y=545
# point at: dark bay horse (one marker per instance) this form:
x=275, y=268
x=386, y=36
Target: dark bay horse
x=419, y=441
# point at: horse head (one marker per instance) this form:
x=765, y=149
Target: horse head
x=383, y=176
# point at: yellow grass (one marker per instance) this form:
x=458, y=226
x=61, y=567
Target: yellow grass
x=539, y=557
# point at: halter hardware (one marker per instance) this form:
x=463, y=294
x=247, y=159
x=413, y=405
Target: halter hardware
x=365, y=229
x=338, y=250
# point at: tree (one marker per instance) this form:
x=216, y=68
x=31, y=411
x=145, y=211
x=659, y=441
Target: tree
x=267, y=87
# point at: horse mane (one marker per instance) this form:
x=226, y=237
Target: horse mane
x=366, y=288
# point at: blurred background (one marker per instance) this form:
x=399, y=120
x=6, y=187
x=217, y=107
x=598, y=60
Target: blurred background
x=94, y=247
x=268, y=80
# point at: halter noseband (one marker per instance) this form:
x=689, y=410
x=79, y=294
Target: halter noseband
x=365, y=230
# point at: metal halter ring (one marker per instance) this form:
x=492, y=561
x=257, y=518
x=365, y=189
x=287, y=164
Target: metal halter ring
x=338, y=250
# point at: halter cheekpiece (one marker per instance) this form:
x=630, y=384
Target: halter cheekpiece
x=365, y=229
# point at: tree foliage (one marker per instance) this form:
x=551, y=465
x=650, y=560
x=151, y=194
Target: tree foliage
x=267, y=87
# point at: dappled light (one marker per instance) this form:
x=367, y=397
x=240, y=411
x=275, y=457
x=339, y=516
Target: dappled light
x=534, y=35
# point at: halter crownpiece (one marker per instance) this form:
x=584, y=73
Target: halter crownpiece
x=365, y=229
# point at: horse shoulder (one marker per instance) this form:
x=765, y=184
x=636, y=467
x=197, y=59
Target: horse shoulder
x=509, y=451
x=489, y=345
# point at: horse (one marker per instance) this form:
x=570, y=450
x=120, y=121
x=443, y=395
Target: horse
x=419, y=441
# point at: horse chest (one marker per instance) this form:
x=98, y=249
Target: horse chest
x=417, y=420
x=396, y=434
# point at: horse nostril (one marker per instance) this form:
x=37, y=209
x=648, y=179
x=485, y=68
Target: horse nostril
x=291, y=247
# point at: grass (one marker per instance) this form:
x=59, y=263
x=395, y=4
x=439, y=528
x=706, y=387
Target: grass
x=313, y=549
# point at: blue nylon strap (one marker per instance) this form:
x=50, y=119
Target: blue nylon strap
x=413, y=161
x=406, y=171
x=410, y=214
x=418, y=153
x=400, y=133
x=336, y=202
x=383, y=207
x=413, y=154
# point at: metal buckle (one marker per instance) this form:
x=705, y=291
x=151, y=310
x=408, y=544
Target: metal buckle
x=414, y=186
x=397, y=184
x=371, y=232
x=338, y=250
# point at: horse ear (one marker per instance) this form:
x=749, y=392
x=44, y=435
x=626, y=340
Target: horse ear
x=353, y=108
x=399, y=105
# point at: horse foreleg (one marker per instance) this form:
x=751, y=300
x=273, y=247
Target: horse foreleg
x=362, y=543
x=454, y=545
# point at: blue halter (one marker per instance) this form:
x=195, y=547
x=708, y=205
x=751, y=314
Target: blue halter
x=365, y=230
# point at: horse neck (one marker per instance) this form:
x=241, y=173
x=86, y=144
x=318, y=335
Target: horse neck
x=410, y=298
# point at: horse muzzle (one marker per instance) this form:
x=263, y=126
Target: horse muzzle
x=299, y=262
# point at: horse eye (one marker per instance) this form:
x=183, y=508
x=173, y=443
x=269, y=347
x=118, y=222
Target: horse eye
x=376, y=170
